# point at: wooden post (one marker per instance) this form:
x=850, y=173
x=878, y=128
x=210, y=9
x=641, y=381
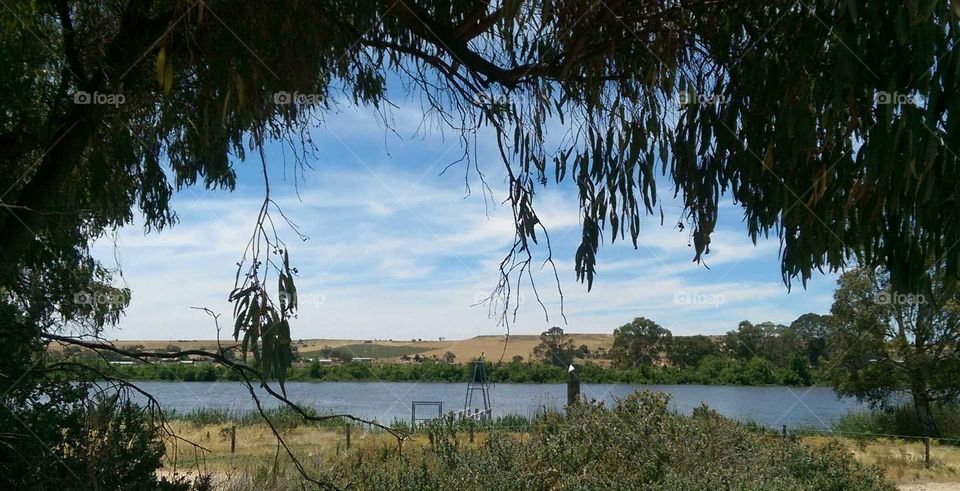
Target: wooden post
x=573, y=385
x=784, y=431
x=926, y=451
x=348, y=436
x=233, y=439
x=470, y=425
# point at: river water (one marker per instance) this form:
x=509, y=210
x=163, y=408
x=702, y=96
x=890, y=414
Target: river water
x=814, y=407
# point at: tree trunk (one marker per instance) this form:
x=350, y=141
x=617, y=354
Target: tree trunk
x=921, y=403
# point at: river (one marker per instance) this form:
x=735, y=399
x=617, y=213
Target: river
x=814, y=407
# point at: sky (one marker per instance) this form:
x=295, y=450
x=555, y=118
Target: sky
x=398, y=249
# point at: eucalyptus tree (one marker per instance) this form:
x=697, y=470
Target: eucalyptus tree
x=640, y=342
x=556, y=347
x=829, y=122
x=884, y=342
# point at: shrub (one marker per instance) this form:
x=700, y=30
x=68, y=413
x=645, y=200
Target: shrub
x=638, y=445
x=53, y=435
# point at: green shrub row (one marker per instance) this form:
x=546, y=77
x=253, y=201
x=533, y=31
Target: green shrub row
x=710, y=371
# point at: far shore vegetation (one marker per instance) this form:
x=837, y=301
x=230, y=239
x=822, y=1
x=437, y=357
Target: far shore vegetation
x=642, y=352
x=710, y=371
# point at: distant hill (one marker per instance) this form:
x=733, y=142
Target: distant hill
x=492, y=346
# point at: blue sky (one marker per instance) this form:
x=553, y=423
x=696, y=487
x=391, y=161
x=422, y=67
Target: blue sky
x=399, y=251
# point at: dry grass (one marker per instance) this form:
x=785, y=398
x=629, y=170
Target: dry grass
x=317, y=448
x=257, y=450
x=902, y=460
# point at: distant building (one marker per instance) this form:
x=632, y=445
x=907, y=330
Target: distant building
x=125, y=362
x=363, y=360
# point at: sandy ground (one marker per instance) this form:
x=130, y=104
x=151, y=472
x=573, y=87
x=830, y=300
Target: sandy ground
x=930, y=486
x=464, y=349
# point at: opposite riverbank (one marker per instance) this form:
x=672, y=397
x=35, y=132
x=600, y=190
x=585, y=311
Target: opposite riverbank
x=710, y=371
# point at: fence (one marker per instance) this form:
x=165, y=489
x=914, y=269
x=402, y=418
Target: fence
x=927, y=441
x=469, y=428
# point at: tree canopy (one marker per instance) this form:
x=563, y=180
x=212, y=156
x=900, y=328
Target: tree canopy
x=639, y=342
x=827, y=122
x=555, y=348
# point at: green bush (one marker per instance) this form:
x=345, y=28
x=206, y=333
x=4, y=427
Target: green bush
x=66, y=441
x=711, y=370
x=53, y=435
x=638, y=445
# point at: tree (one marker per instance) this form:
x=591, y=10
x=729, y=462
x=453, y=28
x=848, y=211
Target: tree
x=115, y=106
x=884, y=342
x=687, y=351
x=583, y=351
x=449, y=357
x=813, y=329
x=126, y=102
x=555, y=348
x=744, y=343
x=639, y=342
x=779, y=343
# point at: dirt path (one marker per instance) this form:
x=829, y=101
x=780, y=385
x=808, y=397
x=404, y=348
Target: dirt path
x=930, y=486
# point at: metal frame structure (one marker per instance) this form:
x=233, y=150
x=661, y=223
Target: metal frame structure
x=413, y=411
x=478, y=381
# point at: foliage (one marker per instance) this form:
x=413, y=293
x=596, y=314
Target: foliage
x=745, y=342
x=775, y=342
x=265, y=324
x=796, y=130
x=813, y=329
x=687, y=351
x=710, y=371
x=884, y=342
x=556, y=348
x=54, y=436
x=639, y=342
x=640, y=444
x=367, y=350
x=808, y=118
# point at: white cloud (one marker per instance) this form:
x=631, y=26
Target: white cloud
x=396, y=250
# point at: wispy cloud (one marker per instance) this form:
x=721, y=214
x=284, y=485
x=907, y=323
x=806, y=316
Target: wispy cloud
x=398, y=250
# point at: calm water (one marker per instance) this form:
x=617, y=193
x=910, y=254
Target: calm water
x=385, y=401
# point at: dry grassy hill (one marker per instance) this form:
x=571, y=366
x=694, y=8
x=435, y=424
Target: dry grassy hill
x=465, y=349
